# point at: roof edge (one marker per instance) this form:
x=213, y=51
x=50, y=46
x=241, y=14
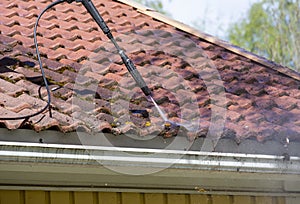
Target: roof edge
x=209, y=38
x=225, y=145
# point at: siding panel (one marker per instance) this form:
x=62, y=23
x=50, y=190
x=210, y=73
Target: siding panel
x=219, y=199
x=263, y=200
x=132, y=198
x=65, y=197
x=57, y=197
x=9, y=197
x=242, y=200
x=176, y=199
x=157, y=198
x=280, y=200
x=83, y=198
x=199, y=199
x=109, y=198
x=36, y=197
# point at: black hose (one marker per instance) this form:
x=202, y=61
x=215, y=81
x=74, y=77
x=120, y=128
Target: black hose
x=41, y=68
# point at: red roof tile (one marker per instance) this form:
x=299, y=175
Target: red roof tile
x=92, y=90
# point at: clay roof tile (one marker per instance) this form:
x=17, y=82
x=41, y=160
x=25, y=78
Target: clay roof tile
x=91, y=88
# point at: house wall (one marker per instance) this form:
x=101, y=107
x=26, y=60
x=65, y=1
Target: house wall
x=68, y=197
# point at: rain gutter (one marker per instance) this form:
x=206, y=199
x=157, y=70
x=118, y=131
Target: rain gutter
x=138, y=157
x=95, y=167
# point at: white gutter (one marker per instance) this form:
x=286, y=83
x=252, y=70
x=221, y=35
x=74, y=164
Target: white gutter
x=190, y=160
x=149, y=170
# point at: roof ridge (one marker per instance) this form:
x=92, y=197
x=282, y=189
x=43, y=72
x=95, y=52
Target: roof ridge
x=212, y=39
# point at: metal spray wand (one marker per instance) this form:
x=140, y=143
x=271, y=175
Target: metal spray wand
x=88, y=4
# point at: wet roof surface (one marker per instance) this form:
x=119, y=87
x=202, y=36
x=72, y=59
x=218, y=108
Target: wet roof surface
x=194, y=81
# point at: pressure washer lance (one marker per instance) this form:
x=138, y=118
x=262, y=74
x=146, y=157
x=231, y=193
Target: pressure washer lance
x=88, y=4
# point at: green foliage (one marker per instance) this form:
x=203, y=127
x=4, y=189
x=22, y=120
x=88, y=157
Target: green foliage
x=155, y=4
x=271, y=29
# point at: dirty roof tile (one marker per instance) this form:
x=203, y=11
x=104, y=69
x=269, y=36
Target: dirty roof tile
x=12, y=103
x=10, y=88
x=10, y=124
x=8, y=40
x=31, y=88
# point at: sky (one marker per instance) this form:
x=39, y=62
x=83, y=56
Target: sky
x=218, y=14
